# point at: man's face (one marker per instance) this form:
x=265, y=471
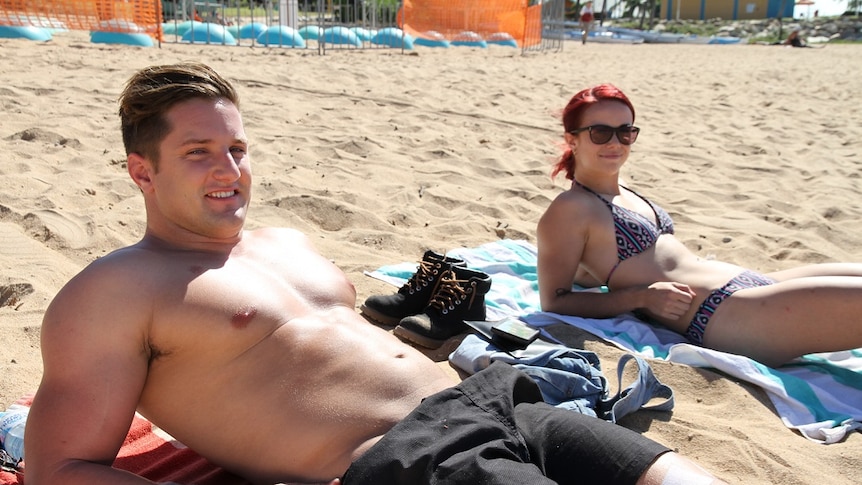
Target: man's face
x=203, y=185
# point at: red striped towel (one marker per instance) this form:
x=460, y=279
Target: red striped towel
x=155, y=456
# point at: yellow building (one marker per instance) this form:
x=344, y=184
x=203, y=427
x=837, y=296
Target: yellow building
x=725, y=9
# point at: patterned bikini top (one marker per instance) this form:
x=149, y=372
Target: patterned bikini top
x=634, y=232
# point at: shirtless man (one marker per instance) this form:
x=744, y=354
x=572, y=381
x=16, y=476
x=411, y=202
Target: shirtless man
x=246, y=345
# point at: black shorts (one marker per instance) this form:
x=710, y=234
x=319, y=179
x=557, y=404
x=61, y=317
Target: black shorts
x=493, y=428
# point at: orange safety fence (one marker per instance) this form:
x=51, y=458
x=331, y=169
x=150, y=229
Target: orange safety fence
x=533, y=31
x=424, y=18
x=137, y=16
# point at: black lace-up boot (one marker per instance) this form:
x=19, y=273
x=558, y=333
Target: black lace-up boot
x=413, y=297
x=460, y=296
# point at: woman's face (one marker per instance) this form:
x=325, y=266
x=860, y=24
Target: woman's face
x=605, y=157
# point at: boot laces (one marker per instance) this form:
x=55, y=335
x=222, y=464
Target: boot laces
x=423, y=276
x=9, y=464
x=452, y=292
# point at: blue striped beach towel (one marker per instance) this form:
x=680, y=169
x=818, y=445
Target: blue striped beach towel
x=819, y=395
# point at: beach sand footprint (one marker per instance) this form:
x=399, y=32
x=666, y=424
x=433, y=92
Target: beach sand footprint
x=12, y=294
x=64, y=229
x=27, y=266
x=327, y=213
x=45, y=136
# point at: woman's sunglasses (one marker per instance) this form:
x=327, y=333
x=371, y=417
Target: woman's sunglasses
x=601, y=134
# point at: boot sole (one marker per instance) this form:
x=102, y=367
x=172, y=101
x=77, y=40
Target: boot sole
x=379, y=317
x=419, y=339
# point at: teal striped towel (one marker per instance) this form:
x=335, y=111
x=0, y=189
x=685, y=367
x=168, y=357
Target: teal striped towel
x=819, y=395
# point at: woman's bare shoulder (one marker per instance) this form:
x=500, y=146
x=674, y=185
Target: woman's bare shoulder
x=572, y=204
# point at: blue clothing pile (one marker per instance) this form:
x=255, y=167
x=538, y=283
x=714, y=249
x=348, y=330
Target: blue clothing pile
x=571, y=378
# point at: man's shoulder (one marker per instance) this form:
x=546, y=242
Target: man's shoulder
x=280, y=235
x=123, y=259
x=114, y=284
x=121, y=270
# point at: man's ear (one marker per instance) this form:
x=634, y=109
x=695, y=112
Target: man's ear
x=141, y=171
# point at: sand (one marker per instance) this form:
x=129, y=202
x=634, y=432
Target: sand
x=755, y=151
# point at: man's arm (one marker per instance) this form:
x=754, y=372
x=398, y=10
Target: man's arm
x=95, y=365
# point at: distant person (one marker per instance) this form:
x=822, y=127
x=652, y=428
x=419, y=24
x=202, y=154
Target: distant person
x=602, y=234
x=246, y=346
x=587, y=17
x=795, y=40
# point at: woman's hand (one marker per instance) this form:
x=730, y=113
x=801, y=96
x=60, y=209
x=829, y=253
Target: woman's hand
x=667, y=299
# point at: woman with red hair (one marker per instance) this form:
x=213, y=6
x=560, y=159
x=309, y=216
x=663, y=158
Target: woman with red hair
x=608, y=238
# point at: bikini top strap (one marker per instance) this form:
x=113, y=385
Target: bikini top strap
x=606, y=201
x=649, y=202
x=660, y=223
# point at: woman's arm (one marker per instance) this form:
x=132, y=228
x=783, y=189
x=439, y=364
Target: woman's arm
x=563, y=234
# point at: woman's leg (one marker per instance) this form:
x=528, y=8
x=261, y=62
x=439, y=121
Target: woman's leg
x=774, y=324
x=825, y=269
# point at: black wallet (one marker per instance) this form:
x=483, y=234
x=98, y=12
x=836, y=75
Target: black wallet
x=507, y=334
